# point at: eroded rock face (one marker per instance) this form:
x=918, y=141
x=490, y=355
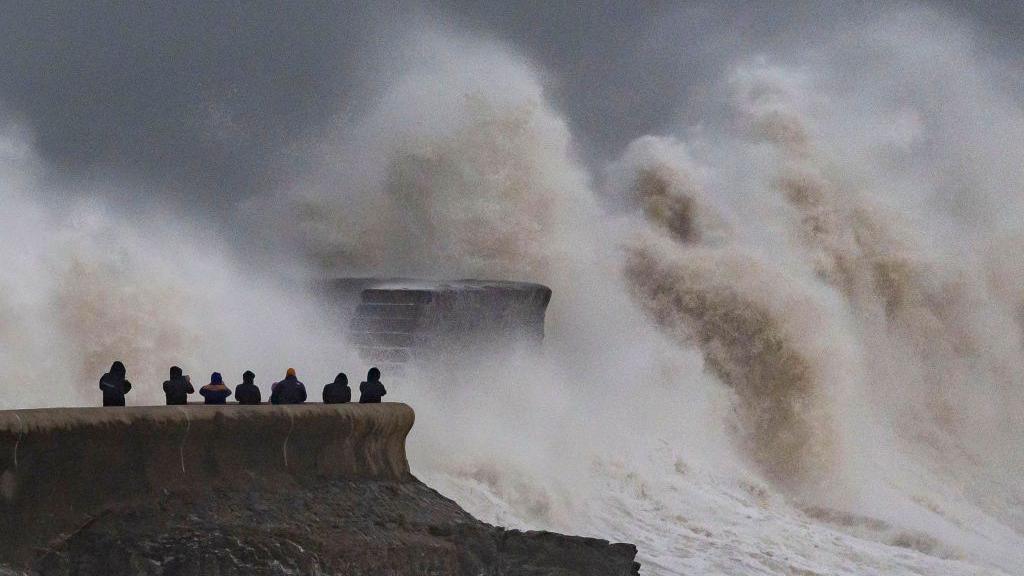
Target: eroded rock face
x=258, y=490
x=336, y=527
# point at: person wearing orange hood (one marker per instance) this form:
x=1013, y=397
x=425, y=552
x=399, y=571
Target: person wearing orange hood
x=289, y=390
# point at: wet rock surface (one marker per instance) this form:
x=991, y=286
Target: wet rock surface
x=332, y=527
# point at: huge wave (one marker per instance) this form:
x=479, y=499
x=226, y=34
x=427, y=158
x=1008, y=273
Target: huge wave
x=787, y=340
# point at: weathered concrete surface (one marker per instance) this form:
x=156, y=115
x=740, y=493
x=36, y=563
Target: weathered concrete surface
x=253, y=490
x=396, y=321
x=57, y=466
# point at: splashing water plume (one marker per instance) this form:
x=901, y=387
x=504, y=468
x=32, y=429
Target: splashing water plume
x=775, y=346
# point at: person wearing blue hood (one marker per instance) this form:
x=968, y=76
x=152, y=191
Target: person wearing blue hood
x=215, y=392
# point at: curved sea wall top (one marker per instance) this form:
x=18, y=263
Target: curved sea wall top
x=62, y=468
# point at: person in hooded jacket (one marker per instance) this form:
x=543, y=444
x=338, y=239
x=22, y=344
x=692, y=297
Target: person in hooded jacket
x=114, y=385
x=289, y=390
x=177, y=388
x=215, y=392
x=247, y=392
x=338, y=392
x=371, y=391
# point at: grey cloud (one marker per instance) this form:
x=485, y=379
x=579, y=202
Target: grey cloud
x=210, y=102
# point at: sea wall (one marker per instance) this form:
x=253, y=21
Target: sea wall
x=397, y=321
x=62, y=468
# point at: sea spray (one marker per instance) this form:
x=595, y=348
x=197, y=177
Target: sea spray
x=790, y=343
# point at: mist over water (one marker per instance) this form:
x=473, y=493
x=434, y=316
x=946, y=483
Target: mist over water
x=785, y=338
x=86, y=283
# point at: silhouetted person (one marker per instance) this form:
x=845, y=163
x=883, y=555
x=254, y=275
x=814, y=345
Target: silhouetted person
x=247, y=392
x=177, y=388
x=289, y=390
x=338, y=392
x=114, y=385
x=215, y=392
x=371, y=391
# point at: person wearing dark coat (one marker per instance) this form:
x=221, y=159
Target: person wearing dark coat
x=247, y=392
x=289, y=390
x=114, y=385
x=338, y=392
x=371, y=391
x=177, y=388
x=215, y=392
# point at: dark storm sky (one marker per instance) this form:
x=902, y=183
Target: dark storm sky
x=210, y=102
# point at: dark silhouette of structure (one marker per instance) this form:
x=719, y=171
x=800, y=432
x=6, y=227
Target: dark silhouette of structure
x=371, y=391
x=289, y=390
x=398, y=322
x=338, y=392
x=247, y=392
x=215, y=392
x=114, y=385
x=177, y=388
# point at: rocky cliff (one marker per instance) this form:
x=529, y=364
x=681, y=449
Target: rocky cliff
x=308, y=489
